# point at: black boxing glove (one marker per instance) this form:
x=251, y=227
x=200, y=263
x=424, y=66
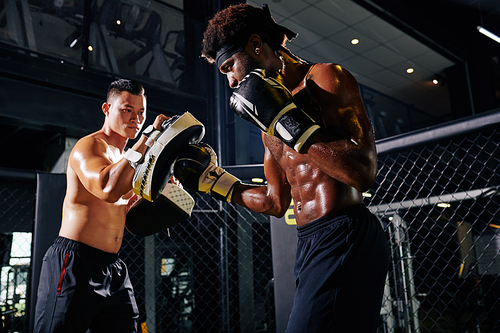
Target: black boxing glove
x=197, y=169
x=263, y=99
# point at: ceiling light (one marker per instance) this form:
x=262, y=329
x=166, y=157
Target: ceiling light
x=118, y=22
x=488, y=34
x=257, y=180
x=354, y=41
x=443, y=205
x=435, y=81
x=367, y=194
x=410, y=70
x=90, y=48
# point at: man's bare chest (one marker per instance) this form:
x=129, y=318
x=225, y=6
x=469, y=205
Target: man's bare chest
x=288, y=159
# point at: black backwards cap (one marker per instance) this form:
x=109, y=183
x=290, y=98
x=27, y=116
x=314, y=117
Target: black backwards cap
x=227, y=50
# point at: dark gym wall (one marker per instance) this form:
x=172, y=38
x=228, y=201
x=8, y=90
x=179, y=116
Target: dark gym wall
x=284, y=247
x=51, y=189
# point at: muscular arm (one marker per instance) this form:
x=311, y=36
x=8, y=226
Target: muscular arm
x=101, y=168
x=273, y=198
x=345, y=150
x=92, y=161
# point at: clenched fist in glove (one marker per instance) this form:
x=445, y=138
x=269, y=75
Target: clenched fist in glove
x=263, y=99
x=197, y=169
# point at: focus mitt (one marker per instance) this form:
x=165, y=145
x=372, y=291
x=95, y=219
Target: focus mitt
x=173, y=206
x=153, y=173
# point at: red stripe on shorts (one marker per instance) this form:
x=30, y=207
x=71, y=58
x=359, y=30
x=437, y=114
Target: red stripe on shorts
x=63, y=271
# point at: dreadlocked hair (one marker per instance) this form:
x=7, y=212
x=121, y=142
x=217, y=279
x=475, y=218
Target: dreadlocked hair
x=235, y=24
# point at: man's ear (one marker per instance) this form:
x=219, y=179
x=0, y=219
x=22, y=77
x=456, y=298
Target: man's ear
x=105, y=108
x=255, y=42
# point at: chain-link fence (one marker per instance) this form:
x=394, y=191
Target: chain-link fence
x=17, y=202
x=210, y=274
x=439, y=199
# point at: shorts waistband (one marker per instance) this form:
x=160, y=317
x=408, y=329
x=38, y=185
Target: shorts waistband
x=336, y=217
x=79, y=247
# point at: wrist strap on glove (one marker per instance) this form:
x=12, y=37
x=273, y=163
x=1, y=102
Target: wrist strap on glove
x=133, y=157
x=197, y=169
x=224, y=186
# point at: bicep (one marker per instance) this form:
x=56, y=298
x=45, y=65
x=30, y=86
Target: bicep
x=343, y=116
x=348, y=141
x=88, y=162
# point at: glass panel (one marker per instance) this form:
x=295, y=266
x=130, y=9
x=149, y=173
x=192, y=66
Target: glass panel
x=139, y=38
x=392, y=117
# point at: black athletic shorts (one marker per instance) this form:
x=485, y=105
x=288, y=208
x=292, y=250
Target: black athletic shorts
x=82, y=288
x=340, y=271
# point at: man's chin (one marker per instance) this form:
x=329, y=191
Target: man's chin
x=132, y=134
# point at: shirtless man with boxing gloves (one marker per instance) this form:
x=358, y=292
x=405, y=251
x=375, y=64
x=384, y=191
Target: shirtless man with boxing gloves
x=83, y=283
x=319, y=151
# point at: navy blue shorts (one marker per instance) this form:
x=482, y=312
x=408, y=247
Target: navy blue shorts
x=82, y=288
x=340, y=271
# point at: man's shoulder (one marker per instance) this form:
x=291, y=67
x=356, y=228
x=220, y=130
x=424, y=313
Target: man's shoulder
x=328, y=68
x=91, y=142
x=331, y=77
x=96, y=137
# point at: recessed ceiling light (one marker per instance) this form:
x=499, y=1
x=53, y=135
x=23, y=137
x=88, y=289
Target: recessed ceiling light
x=354, y=41
x=410, y=70
x=435, y=81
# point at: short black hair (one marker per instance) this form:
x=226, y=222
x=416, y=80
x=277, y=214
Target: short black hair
x=116, y=87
